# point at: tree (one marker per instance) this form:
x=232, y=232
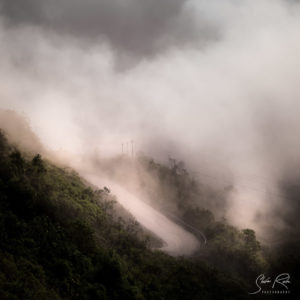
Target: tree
x=250, y=240
x=38, y=163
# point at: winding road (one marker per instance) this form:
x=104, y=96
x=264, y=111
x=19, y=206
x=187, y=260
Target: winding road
x=177, y=241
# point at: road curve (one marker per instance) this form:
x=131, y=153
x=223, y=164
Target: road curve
x=177, y=241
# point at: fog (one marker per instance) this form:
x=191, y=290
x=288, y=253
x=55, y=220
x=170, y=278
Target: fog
x=213, y=84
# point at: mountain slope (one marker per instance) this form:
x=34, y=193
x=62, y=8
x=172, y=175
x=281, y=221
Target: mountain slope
x=59, y=240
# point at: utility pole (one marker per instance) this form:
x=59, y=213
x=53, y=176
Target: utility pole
x=126, y=148
x=132, y=148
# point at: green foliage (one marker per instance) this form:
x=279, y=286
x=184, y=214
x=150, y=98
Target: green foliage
x=38, y=164
x=228, y=249
x=58, y=240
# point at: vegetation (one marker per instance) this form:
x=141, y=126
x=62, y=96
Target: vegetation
x=228, y=249
x=59, y=239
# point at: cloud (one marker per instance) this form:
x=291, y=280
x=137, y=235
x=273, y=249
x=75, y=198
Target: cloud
x=134, y=29
x=229, y=108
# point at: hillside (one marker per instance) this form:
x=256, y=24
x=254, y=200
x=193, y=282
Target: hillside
x=59, y=241
x=60, y=238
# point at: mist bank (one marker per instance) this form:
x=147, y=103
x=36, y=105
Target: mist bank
x=150, y=182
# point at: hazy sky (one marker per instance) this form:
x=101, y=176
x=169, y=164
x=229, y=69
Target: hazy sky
x=205, y=80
